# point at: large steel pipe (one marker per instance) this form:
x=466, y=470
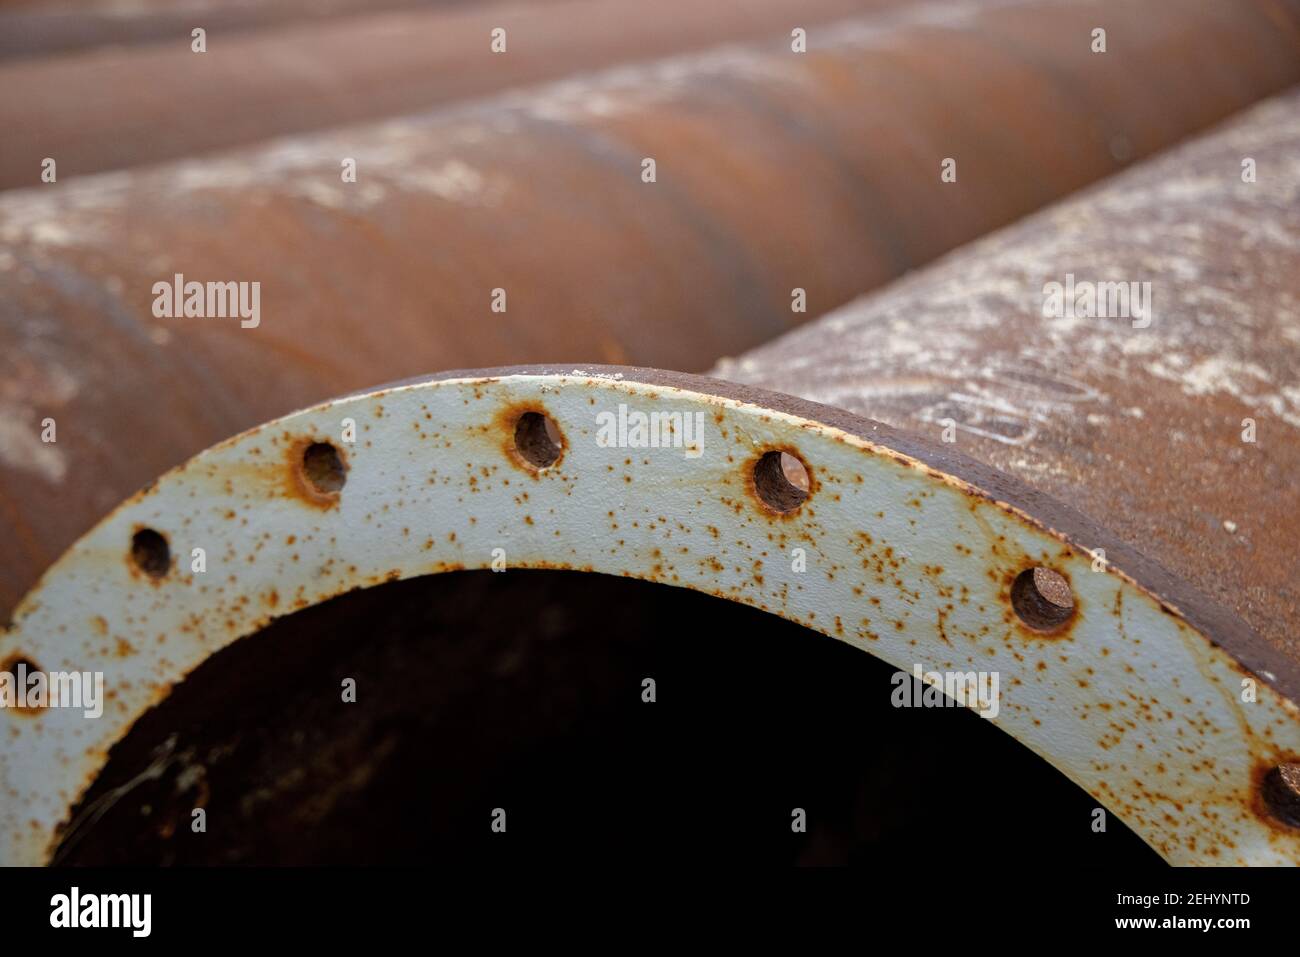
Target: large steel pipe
x=1118, y=673
x=34, y=28
x=115, y=108
x=776, y=171
x=1134, y=352
x=1088, y=498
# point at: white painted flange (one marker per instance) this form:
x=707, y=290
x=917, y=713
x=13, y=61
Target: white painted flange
x=903, y=560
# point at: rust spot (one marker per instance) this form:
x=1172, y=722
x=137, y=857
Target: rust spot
x=150, y=553
x=530, y=437
x=317, y=472
x=1043, y=601
x=1277, y=790
x=779, y=481
x=11, y=666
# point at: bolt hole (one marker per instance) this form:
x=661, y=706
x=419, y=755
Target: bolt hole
x=323, y=468
x=781, y=481
x=1281, y=790
x=1042, y=598
x=538, y=440
x=150, y=553
x=17, y=681
x=11, y=666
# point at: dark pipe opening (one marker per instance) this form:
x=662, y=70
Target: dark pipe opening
x=524, y=691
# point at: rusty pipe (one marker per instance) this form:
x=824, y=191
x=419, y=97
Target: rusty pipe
x=1134, y=352
x=116, y=108
x=1010, y=544
x=902, y=548
x=776, y=171
x=34, y=28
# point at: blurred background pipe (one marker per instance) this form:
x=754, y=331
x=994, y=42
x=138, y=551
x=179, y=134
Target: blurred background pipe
x=114, y=108
x=34, y=28
x=775, y=172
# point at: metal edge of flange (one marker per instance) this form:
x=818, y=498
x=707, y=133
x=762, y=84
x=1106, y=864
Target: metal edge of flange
x=1215, y=623
x=911, y=553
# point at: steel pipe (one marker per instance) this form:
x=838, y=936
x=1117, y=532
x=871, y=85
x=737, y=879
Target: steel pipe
x=122, y=107
x=1167, y=407
x=776, y=172
x=906, y=550
x=35, y=28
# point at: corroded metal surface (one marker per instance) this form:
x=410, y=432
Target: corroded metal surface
x=908, y=551
x=775, y=171
x=1179, y=431
x=30, y=28
x=121, y=107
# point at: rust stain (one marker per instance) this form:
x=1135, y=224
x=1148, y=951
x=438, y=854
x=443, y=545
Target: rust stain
x=1064, y=631
x=756, y=494
x=1259, y=775
x=10, y=665
x=140, y=561
x=298, y=485
x=506, y=422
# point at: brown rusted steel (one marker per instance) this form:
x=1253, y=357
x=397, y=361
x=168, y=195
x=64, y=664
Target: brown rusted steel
x=30, y=28
x=776, y=171
x=1178, y=431
x=115, y=108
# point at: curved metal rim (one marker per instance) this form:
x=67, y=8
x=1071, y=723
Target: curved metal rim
x=1218, y=624
x=902, y=536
